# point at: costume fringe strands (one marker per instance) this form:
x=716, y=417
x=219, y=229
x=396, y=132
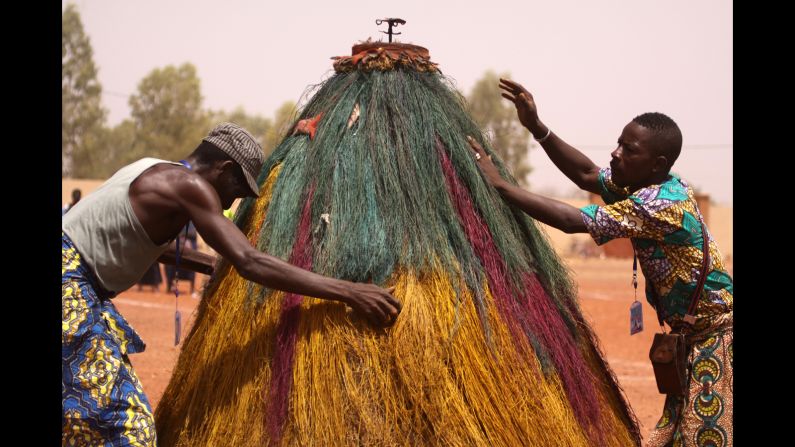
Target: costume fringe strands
x=376, y=182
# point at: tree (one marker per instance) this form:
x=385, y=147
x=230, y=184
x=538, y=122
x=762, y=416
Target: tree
x=268, y=132
x=122, y=146
x=281, y=121
x=82, y=115
x=167, y=113
x=258, y=125
x=497, y=117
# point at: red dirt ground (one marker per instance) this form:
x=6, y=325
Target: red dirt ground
x=605, y=293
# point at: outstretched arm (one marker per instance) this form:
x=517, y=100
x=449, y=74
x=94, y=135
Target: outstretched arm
x=204, y=208
x=549, y=211
x=573, y=163
x=189, y=259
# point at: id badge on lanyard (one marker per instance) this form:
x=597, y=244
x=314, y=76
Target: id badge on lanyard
x=636, y=309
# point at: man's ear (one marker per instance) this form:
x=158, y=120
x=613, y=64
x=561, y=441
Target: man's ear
x=224, y=165
x=660, y=164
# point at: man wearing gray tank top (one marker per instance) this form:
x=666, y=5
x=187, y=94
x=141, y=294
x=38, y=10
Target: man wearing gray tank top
x=113, y=235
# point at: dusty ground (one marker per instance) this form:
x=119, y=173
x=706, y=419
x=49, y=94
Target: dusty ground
x=605, y=295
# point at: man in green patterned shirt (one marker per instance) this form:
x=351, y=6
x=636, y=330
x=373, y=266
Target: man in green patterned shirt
x=657, y=211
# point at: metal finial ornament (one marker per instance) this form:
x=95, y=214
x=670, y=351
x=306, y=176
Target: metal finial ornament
x=391, y=22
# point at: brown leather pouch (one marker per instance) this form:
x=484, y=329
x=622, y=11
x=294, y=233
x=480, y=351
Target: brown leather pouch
x=669, y=352
x=668, y=356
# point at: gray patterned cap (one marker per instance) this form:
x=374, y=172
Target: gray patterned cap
x=242, y=147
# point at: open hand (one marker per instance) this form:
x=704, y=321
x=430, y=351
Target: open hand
x=374, y=303
x=483, y=160
x=525, y=105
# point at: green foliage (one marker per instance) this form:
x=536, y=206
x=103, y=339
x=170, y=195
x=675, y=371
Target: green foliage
x=497, y=117
x=121, y=146
x=167, y=112
x=167, y=119
x=267, y=131
x=282, y=120
x=257, y=125
x=82, y=115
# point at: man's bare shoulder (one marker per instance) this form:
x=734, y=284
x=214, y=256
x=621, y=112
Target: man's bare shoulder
x=171, y=181
x=167, y=176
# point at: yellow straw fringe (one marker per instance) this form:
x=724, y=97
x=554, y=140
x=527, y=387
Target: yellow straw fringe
x=431, y=379
x=219, y=372
x=418, y=383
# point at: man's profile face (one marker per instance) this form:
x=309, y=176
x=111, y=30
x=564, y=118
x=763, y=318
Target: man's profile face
x=632, y=162
x=232, y=185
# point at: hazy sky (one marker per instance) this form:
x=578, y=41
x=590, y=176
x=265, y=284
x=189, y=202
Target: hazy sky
x=591, y=65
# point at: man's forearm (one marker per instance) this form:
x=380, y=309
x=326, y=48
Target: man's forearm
x=275, y=273
x=549, y=211
x=573, y=163
x=189, y=259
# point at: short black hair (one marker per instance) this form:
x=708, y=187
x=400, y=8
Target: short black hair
x=669, y=137
x=76, y=194
x=207, y=153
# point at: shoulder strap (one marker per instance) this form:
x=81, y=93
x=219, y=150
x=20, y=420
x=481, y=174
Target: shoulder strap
x=689, y=317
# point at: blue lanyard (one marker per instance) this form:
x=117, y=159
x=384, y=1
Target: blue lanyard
x=177, y=314
x=176, y=264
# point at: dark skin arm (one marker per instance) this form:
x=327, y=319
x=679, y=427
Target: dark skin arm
x=573, y=163
x=168, y=196
x=189, y=259
x=549, y=211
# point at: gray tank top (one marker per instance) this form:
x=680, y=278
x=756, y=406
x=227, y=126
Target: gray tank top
x=107, y=233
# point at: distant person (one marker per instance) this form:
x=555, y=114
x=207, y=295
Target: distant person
x=113, y=236
x=657, y=211
x=152, y=278
x=76, y=194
